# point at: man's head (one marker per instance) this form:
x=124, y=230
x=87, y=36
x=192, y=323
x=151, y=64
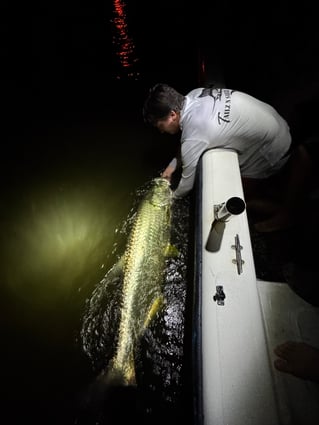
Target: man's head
x=162, y=108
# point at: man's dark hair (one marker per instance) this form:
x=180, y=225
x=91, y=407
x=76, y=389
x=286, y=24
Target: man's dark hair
x=161, y=100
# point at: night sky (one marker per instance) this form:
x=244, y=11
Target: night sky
x=59, y=55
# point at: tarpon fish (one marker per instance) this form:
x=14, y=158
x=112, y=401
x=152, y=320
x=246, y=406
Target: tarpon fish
x=143, y=265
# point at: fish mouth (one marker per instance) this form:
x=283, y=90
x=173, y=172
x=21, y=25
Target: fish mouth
x=161, y=181
x=161, y=194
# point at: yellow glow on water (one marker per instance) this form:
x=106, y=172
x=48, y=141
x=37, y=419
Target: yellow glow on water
x=57, y=245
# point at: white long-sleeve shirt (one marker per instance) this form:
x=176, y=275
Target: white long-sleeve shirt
x=222, y=118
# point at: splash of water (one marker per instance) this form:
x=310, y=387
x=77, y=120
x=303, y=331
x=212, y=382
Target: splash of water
x=159, y=360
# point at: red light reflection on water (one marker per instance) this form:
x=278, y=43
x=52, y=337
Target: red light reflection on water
x=124, y=45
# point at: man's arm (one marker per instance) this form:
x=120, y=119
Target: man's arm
x=191, y=152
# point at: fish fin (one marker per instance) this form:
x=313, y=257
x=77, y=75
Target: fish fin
x=157, y=304
x=171, y=251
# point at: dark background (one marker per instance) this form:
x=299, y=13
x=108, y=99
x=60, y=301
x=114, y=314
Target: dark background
x=58, y=58
x=60, y=71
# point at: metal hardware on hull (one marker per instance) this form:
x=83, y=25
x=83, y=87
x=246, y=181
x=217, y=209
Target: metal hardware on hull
x=220, y=295
x=238, y=260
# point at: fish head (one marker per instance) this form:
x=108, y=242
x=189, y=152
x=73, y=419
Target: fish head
x=161, y=192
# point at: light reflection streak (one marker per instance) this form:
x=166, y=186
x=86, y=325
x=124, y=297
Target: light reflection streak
x=124, y=45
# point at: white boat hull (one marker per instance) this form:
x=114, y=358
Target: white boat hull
x=233, y=371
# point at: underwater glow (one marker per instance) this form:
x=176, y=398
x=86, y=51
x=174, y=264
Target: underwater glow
x=57, y=243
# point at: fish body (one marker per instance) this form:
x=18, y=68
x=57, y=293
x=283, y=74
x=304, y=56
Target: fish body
x=143, y=267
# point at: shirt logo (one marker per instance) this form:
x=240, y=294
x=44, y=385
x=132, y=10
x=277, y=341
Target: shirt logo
x=225, y=117
x=216, y=94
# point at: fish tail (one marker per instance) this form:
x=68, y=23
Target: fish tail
x=123, y=375
x=118, y=377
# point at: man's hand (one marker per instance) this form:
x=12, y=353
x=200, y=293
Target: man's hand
x=167, y=173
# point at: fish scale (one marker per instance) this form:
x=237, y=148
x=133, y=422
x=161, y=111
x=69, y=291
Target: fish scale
x=144, y=264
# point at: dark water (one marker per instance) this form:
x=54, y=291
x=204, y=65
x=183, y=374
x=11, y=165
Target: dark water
x=76, y=153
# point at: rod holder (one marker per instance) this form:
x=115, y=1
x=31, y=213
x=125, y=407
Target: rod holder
x=233, y=206
x=222, y=213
